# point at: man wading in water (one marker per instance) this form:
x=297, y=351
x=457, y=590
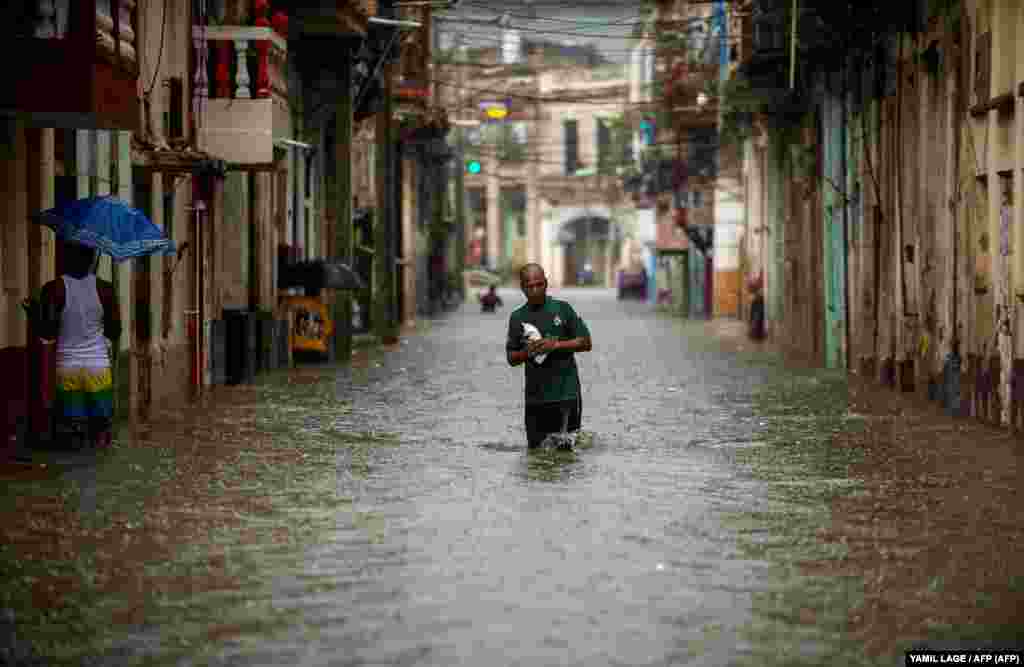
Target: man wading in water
x=545, y=333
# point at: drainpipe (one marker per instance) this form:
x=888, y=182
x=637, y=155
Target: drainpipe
x=194, y=314
x=846, y=215
x=792, y=46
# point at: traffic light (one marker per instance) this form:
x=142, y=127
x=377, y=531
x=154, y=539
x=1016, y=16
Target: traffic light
x=647, y=131
x=473, y=166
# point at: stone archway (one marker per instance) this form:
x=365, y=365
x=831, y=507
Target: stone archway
x=581, y=246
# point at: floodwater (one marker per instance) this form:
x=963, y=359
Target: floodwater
x=388, y=513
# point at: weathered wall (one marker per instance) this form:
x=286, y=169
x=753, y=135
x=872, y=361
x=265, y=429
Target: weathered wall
x=935, y=225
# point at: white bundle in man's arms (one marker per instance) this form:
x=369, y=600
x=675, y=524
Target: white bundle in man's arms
x=532, y=333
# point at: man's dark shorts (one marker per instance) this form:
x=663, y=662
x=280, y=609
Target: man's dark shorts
x=545, y=418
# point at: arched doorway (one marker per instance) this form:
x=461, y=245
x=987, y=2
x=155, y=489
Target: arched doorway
x=590, y=246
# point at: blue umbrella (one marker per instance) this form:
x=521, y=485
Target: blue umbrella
x=108, y=224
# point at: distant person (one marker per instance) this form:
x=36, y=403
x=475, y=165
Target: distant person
x=82, y=314
x=490, y=301
x=545, y=333
x=757, y=314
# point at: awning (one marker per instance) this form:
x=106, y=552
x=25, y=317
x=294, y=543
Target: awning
x=319, y=274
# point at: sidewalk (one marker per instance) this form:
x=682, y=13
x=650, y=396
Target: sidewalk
x=939, y=512
x=88, y=539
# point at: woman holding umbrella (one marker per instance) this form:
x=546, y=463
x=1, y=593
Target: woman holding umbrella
x=81, y=312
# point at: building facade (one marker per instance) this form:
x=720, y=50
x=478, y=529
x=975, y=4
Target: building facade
x=882, y=192
x=543, y=141
x=214, y=130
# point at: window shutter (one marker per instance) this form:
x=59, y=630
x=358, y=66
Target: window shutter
x=604, y=145
x=571, y=131
x=983, y=68
x=175, y=125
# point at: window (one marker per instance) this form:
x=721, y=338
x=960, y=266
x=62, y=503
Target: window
x=604, y=146
x=512, y=141
x=572, y=139
x=648, y=74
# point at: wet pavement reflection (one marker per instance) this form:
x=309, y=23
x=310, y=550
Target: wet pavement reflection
x=388, y=513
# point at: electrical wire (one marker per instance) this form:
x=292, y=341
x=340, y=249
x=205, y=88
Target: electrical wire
x=160, y=53
x=585, y=24
x=598, y=99
x=570, y=33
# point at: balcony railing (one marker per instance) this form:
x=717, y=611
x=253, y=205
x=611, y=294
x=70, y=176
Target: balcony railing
x=114, y=24
x=241, y=62
x=240, y=87
x=89, y=47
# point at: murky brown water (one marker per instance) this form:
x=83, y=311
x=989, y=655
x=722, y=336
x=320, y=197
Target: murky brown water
x=720, y=510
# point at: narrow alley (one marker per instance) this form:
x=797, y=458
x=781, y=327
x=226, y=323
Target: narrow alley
x=721, y=508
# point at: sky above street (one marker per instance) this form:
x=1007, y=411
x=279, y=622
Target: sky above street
x=606, y=23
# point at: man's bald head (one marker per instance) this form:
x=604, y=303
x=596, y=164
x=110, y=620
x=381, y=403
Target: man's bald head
x=533, y=283
x=531, y=270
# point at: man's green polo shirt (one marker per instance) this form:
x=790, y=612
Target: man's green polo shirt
x=557, y=378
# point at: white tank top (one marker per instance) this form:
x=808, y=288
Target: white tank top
x=81, y=343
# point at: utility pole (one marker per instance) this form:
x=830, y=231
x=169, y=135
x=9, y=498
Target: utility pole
x=385, y=321
x=343, y=203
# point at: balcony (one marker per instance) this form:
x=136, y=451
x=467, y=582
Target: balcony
x=73, y=64
x=687, y=80
x=240, y=98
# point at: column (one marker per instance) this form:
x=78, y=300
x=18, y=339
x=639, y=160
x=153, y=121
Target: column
x=343, y=203
x=158, y=265
x=101, y=173
x=409, y=215
x=385, y=318
x=122, y=275
x=493, y=209
x=259, y=279
x=460, y=208
x=609, y=270
x=298, y=179
x=84, y=148
x=289, y=225
x=532, y=212
x=41, y=173
x=15, y=270
x=242, y=80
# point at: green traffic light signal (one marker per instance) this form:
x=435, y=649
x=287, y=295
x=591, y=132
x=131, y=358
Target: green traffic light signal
x=473, y=166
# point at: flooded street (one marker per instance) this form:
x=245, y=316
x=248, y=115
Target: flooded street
x=720, y=510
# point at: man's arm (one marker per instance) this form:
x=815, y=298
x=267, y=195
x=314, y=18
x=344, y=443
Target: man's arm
x=517, y=357
x=515, y=352
x=580, y=341
x=543, y=345
x=581, y=344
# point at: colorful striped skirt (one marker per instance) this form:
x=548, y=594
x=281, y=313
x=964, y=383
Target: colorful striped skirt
x=84, y=393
